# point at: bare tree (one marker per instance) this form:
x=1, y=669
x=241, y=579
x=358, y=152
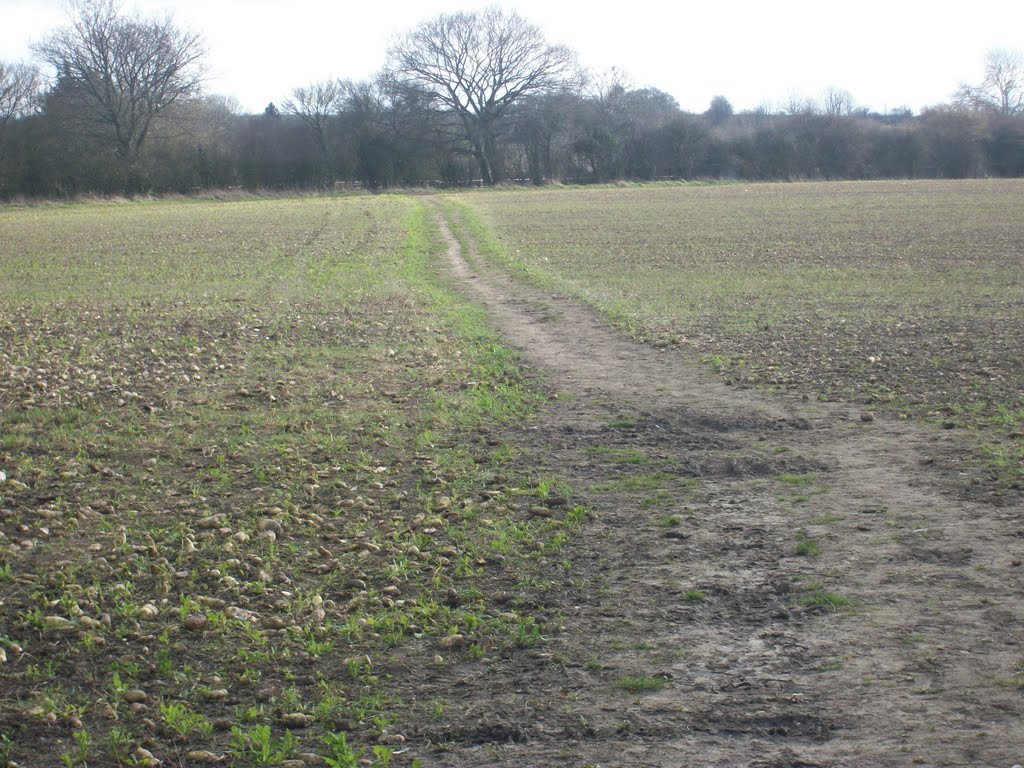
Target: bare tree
x=315, y=105
x=125, y=70
x=477, y=65
x=606, y=86
x=20, y=90
x=836, y=102
x=1002, y=90
x=796, y=104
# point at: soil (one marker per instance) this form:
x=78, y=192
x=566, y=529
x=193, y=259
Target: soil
x=892, y=638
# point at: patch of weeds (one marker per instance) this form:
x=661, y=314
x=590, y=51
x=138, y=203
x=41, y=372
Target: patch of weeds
x=119, y=743
x=808, y=548
x=6, y=749
x=549, y=487
x=694, y=596
x=828, y=519
x=624, y=423
x=817, y=597
x=248, y=714
x=637, y=685
x=657, y=499
x=260, y=747
x=382, y=757
x=1004, y=460
x=526, y=633
x=437, y=709
x=82, y=744
x=117, y=688
x=1010, y=682
x=476, y=651
x=671, y=521
x=290, y=700
x=337, y=752
x=912, y=638
x=183, y=721
x=575, y=517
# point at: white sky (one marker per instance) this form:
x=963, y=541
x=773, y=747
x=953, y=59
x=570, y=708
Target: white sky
x=887, y=53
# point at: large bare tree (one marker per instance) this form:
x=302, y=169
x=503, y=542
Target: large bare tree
x=1002, y=89
x=124, y=70
x=477, y=65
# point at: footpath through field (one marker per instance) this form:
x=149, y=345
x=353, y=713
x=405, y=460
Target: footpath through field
x=767, y=581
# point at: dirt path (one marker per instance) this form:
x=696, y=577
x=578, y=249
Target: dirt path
x=893, y=639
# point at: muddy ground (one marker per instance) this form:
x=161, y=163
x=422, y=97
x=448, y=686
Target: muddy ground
x=794, y=583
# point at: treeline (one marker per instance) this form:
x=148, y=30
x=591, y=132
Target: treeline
x=380, y=139
x=70, y=136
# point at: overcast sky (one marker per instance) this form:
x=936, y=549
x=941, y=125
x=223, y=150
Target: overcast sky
x=761, y=52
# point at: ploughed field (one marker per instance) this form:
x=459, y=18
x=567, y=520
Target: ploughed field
x=905, y=296
x=250, y=503
x=274, y=492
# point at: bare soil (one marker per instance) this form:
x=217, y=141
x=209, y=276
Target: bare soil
x=893, y=638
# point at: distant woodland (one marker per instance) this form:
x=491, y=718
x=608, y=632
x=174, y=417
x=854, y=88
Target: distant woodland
x=114, y=103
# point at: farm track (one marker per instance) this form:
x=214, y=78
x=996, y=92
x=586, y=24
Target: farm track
x=899, y=643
